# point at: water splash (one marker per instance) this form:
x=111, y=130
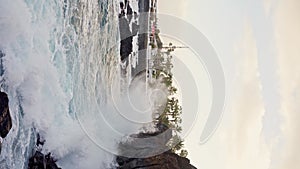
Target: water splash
x=60, y=57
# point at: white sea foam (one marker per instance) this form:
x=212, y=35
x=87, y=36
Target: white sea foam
x=58, y=75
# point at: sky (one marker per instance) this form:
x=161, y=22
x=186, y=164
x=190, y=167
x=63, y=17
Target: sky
x=257, y=42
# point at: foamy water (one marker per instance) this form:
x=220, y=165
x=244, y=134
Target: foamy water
x=60, y=60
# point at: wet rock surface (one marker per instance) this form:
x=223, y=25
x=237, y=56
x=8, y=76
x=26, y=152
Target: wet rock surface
x=5, y=119
x=126, y=34
x=41, y=161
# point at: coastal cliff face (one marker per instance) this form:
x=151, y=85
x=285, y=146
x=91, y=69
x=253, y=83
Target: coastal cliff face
x=166, y=160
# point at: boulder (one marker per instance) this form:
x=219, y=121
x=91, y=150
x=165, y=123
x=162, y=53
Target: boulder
x=166, y=160
x=41, y=161
x=5, y=119
x=142, y=144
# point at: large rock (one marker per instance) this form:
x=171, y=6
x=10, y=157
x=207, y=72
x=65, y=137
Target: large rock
x=146, y=143
x=5, y=119
x=41, y=161
x=166, y=160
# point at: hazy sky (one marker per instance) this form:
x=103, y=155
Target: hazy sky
x=258, y=43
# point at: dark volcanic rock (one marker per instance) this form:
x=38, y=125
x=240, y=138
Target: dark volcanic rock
x=129, y=12
x=5, y=119
x=126, y=38
x=126, y=34
x=41, y=161
x=166, y=160
x=138, y=148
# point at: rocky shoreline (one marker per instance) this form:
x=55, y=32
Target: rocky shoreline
x=39, y=160
x=165, y=160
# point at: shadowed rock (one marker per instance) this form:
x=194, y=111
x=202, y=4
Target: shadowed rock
x=41, y=161
x=144, y=143
x=5, y=119
x=166, y=160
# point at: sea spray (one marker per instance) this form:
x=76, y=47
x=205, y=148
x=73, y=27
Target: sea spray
x=58, y=64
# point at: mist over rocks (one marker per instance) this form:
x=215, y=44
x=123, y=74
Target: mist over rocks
x=148, y=150
x=48, y=110
x=139, y=146
x=40, y=160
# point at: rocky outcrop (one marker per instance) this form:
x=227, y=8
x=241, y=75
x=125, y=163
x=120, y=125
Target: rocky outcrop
x=41, y=161
x=127, y=29
x=166, y=160
x=5, y=119
x=144, y=143
x=126, y=37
